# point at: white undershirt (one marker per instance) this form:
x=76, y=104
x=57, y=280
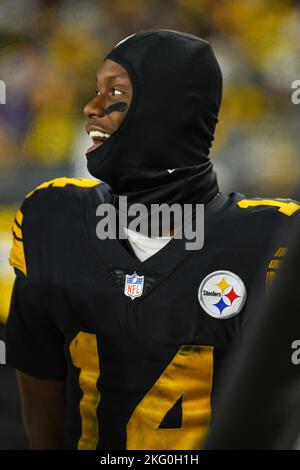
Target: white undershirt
x=143, y=246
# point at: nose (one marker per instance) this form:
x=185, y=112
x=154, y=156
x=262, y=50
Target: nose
x=94, y=107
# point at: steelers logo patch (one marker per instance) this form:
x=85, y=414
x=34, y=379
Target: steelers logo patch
x=222, y=294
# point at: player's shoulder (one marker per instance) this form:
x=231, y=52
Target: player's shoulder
x=51, y=205
x=60, y=195
x=264, y=220
x=269, y=224
x=60, y=189
x=276, y=209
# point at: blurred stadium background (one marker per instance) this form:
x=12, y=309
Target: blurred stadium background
x=50, y=50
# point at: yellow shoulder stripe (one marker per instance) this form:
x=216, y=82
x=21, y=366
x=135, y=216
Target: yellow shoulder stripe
x=62, y=182
x=281, y=252
x=17, y=231
x=274, y=266
x=17, y=255
x=287, y=208
x=19, y=218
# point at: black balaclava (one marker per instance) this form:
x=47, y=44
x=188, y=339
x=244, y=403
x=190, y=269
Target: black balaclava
x=159, y=154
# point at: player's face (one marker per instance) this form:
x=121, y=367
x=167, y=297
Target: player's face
x=107, y=110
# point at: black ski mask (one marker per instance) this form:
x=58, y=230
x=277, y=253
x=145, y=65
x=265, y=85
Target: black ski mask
x=160, y=152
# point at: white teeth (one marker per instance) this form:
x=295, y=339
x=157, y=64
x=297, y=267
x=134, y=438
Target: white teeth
x=99, y=134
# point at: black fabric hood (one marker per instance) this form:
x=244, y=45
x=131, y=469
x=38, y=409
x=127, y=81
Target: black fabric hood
x=160, y=152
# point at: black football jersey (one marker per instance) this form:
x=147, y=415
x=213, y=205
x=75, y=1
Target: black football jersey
x=142, y=345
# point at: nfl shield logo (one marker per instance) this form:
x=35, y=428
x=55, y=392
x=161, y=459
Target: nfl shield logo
x=134, y=285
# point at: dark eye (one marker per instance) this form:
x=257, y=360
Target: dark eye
x=97, y=92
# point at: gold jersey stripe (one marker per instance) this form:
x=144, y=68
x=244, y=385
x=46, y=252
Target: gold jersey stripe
x=17, y=232
x=17, y=256
x=62, y=182
x=281, y=252
x=271, y=275
x=19, y=218
x=274, y=266
x=287, y=208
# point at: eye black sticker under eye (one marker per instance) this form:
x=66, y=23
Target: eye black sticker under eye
x=120, y=107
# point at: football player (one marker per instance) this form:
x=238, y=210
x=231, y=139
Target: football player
x=119, y=344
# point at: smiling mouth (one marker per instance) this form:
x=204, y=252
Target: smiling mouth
x=98, y=139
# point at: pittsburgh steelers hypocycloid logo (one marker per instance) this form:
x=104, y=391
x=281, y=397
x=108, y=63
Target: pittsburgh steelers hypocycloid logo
x=222, y=294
